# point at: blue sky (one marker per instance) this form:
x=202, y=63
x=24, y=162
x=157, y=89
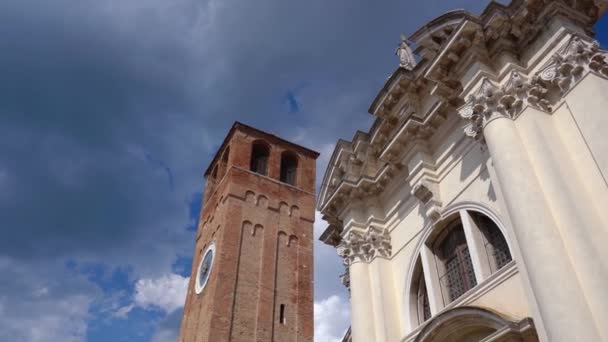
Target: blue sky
x=110, y=111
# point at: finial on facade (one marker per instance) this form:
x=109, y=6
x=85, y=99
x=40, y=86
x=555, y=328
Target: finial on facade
x=406, y=55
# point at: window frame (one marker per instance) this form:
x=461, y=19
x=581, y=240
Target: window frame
x=256, y=158
x=463, y=258
x=289, y=171
x=427, y=263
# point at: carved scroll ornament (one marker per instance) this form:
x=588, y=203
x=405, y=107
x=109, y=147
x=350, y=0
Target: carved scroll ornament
x=359, y=246
x=574, y=61
x=545, y=88
x=491, y=101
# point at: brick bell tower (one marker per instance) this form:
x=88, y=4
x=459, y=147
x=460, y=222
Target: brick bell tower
x=252, y=272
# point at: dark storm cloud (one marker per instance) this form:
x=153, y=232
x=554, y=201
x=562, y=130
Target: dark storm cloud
x=79, y=98
x=87, y=85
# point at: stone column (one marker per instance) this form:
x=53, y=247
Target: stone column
x=362, y=322
x=583, y=233
x=378, y=302
x=358, y=248
x=564, y=313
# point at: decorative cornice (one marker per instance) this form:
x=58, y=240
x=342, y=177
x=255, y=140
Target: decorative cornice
x=359, y=246
x=428, y=194
x=345, y=278
x=332, y=234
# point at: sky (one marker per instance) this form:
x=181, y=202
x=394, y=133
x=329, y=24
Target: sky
x=110, y=111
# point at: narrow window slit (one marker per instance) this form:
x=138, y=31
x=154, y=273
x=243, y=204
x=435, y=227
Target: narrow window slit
x=282, y=318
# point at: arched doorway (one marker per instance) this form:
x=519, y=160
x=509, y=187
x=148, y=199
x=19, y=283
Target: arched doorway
x=471, y=324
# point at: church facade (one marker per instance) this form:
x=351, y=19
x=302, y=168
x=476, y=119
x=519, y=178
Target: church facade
x=476, y=206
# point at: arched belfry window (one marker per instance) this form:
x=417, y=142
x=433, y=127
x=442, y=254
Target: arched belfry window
x=289, y=168
x=224, y=162
x=456, y=272
x=226, y=155
x=454, y=257
x=259, y=157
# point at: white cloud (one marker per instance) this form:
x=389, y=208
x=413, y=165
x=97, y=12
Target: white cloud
x=165, y=335
x=123, y=312
x=168, y=292
x=332, y=318
x=36, y=308
x=67, y=322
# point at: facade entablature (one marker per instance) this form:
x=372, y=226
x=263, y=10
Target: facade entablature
x=466, y=45
x=347, y=190
x=364, y=167
x=451, y=44
x=431, y=37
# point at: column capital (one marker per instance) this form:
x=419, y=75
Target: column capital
x=573, y=61
x=364, y=246
x=492, y=101
x=541, y=90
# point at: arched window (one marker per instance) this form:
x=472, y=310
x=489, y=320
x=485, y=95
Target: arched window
x=496, y=247
x=223, y=164
x=226, y=155
x=289, y=168
x=421, y=308
x=214, y=173
x=424, y=308
x=453, y=259
x=259, y=158
x=456, y=274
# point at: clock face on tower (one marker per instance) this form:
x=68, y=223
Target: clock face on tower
x=204, y=269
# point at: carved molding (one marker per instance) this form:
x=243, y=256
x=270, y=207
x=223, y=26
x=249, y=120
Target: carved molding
x=571, y=63
x=491, y=101
x=359, y=246
x=345, y=278
x=428, y=195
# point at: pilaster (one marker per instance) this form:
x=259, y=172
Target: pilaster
x=564, y=312
x=359, y=250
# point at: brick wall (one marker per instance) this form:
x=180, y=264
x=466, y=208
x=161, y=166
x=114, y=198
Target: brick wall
x=262, y=230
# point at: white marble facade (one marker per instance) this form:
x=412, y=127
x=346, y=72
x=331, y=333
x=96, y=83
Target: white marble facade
x=476, y=206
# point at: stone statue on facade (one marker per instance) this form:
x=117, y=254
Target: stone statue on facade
x=406, y=55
